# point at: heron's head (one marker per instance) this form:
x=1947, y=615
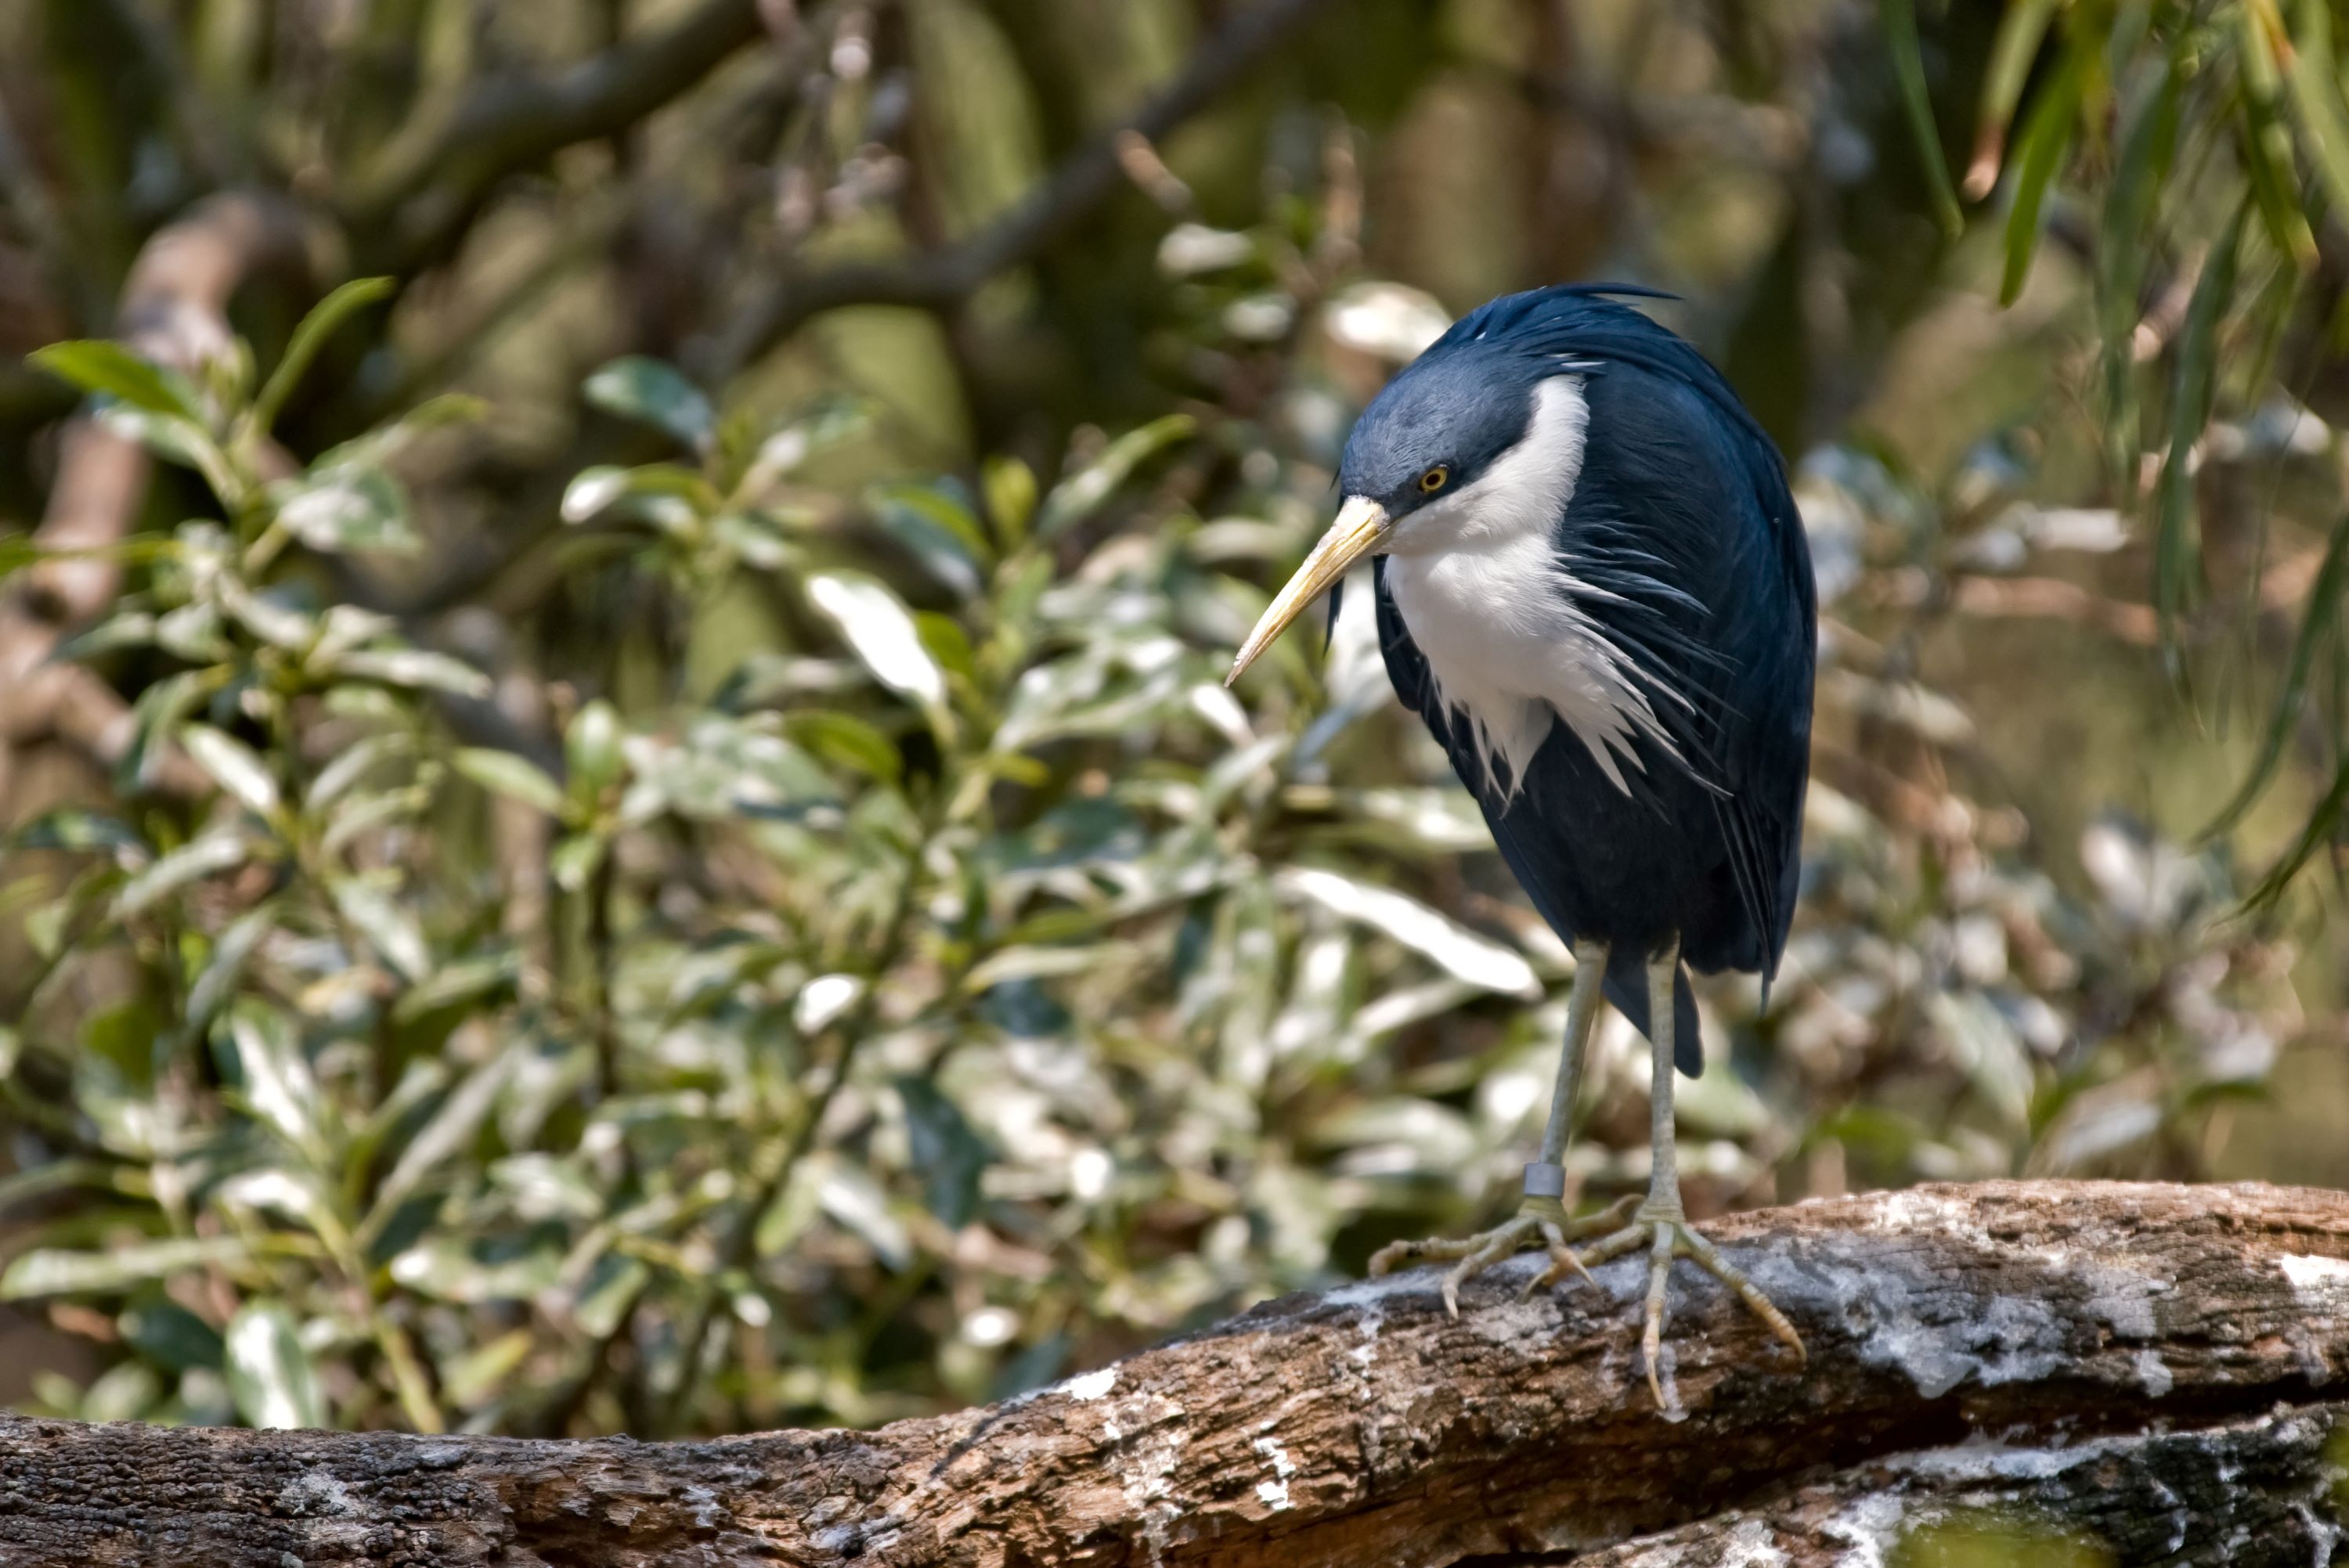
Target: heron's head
x=1454, y=446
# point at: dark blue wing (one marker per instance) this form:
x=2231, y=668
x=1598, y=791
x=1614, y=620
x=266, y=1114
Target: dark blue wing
x=1534, y=852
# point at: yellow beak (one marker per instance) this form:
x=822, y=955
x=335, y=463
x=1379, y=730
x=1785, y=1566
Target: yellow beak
x=1360, y=523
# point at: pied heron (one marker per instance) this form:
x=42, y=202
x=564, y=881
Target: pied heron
x=1593, y=587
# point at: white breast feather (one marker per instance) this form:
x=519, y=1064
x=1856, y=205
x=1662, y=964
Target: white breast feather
x=1497, y=610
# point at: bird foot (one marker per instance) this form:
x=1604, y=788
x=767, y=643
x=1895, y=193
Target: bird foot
x=1664, y=1231
x=1538, y=1222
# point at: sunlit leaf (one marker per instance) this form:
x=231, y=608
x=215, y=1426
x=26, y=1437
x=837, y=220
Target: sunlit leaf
x=348, y=507
x=233, y=765
x=1452, y=946
x=274, y=1076
x=1080, y=495
x=111, y=370
x=53, y=1270
x=516, y=777
x=275, y=1386
x=638, y=387
x=878, y=628
x=416, y=667
x=214, y=853
x=388, y=928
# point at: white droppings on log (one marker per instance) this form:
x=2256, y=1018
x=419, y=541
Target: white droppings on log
x=1868, y=1528
x=2154, y=1372
x=1275, y=1491
x=2318, y=1280
x=1092, y=1385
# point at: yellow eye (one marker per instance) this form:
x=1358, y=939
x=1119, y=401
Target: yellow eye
x=1435, y=479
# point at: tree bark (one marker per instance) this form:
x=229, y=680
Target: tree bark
x=2151, y=1373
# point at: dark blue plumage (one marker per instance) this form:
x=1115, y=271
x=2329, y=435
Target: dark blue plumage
x=1681, y=523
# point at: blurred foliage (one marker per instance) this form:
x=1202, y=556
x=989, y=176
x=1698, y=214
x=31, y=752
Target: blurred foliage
x=677, y=888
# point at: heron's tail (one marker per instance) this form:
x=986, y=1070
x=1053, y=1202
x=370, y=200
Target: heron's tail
x=1627, y=987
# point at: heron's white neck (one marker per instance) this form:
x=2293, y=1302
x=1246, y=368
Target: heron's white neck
x=1491, y=599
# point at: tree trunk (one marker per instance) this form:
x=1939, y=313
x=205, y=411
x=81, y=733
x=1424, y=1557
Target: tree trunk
x=2063, y=1372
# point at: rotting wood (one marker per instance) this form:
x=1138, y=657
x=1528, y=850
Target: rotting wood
x=2138, y=1365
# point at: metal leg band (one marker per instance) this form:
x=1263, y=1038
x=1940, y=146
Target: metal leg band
x=1544, y=1180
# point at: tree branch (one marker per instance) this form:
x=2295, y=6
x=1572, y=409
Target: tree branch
x=2159, y=1367
x=174, y=311
x=1071, y=191
x=509, y=124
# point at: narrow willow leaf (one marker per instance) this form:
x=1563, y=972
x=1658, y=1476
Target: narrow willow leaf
x=944, y=1149
x=111, y=370
x=2020, y=33
x=1909, y=65
x=233, y=765
x=2313, y=75
x=2320, y=622
x=269, y=1373
x=2046, y=136
x=2267, y=138
x=2318, y=832
x=1080, y=495
x=1458, y=951
x=2148, y=146
x=642, y=388
x=325, y=318
x=516, y=777
x=2176, y=540
x=461, y=984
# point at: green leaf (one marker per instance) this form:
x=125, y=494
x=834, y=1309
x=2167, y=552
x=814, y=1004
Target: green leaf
x=347, y=507
x=2020, y=33
x=388, y=929
x=2177, y=544
x=219, y=850
x=49, y=1271
x=939, y=530
x=1010, y=487
x=459, y=984
x=111, y=370
x=1080, y=495
x=416, y=667
x=444, y=1138
x=2053, y=120
x=225, y=966
x=592, y=748
x=273, y=1075
x=309, y=336
x=638, y=387
x=574, y=859
x=670, y=498
x=177, y=439
x=880, y=630
x=945, y=1149
x=1909, y=67
x=2313, y=75
x=2322, y=615
x=845, y=740
x=233, y=765
x=269, y=1373
x=516, y=777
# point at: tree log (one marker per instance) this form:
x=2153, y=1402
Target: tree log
x=2135, y=1373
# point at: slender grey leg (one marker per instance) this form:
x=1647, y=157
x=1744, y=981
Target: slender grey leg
x=1661, y=1225
x=1541, y=1219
